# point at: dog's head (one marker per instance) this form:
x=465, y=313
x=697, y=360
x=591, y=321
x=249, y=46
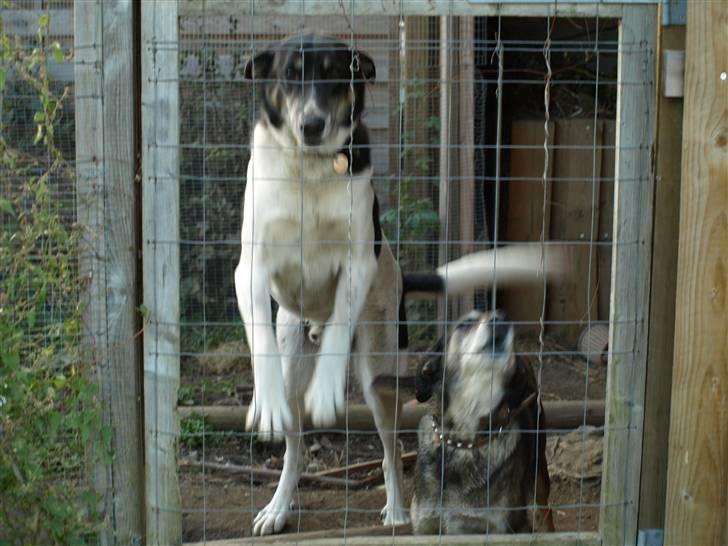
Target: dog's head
x=312, y=90
x=475, y=366
x=472, y=370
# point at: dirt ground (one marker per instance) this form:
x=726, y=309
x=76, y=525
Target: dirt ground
x=219, y=504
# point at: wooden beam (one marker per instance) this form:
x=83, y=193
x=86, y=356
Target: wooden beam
x=383, y=536
x=559, y=415
x=525, y=217
x=631, y=258
x=575, y=218
x=537, y=8
x=662, y=299
x=697, y=486
x=160, y=149
x=465, y=212
x=105, y=185
x=446, y=193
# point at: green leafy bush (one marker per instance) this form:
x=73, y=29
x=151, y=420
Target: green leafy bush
x=50, y=425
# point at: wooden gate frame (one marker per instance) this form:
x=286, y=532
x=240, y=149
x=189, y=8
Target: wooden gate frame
x=634, y=187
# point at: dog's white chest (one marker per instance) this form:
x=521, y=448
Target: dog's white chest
x=303, y=220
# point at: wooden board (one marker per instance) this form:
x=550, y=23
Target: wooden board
x=606, y=221
x=697, y=488
x=557, y=414
x=160, y=224
x=107, y=208
x=536, y=8
x=662, y=299
x=525, y=218
x=630, y=276
x=381, y=536
x=466, y=152
x=575, y=219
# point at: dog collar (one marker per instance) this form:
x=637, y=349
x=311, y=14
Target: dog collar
x=487, y=426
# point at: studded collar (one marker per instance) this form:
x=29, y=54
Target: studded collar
x=488, y=426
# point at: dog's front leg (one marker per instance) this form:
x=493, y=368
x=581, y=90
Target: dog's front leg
x=269, y=408
x=325, y=395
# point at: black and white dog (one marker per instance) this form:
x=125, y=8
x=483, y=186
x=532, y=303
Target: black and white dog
x=311, y=240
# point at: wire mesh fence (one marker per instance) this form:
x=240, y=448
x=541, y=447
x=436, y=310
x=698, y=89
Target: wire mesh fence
x=485, y=132
x=480, y=132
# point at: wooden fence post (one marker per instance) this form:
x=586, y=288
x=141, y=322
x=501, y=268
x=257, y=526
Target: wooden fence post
x=631, y=258
x=105, y=185
x=697, y=475
x=160, y=230
x=662, y=298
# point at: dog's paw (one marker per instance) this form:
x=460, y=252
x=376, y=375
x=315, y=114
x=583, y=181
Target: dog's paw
x=272, y=518
x=394, y=516
x=269, y=413
x=325, y=395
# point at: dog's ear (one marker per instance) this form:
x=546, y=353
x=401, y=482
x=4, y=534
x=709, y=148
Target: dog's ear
x=258, y=67
x=429, y=372
x=367, y=70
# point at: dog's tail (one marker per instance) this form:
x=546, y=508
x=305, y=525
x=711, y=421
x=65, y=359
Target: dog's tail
x=502, y=266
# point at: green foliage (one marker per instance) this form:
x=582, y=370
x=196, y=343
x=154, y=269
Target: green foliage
x=413, y=224
x=196, y=432
x=50, y=425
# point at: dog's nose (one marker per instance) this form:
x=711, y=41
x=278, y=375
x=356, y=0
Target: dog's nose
x=312, y=128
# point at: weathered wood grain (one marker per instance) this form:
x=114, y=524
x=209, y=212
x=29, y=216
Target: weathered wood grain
x=697, y=487
x=105, y=162
x=575, y=218
x=525, y=212
x=160, y=230
x=662, y=299
x=631, y=259
x=536, y=8
x=381, y=536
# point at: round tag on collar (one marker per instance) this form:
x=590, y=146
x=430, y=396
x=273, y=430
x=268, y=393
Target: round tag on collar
x=341, y=163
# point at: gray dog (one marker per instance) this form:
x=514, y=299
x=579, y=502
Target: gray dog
x=479, y=469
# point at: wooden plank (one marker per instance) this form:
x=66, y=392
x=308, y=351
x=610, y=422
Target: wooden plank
x=160, y=108
x=237, y=25
x=558, y=415
x=662, y=299
x=381, y=536
x=446, y=190
x=465, y=212
x=538, y=8
x=525, y=212
x=606, y=221
x=105, y=160
x=575, y=218
x=697, y=487
x=630, y=277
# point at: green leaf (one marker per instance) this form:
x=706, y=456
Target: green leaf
x=6, y=206
x=38, y=135
x=11, y=360
x=3, y=78
x=58, y=55
x=39, y=117
x=43, y=21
